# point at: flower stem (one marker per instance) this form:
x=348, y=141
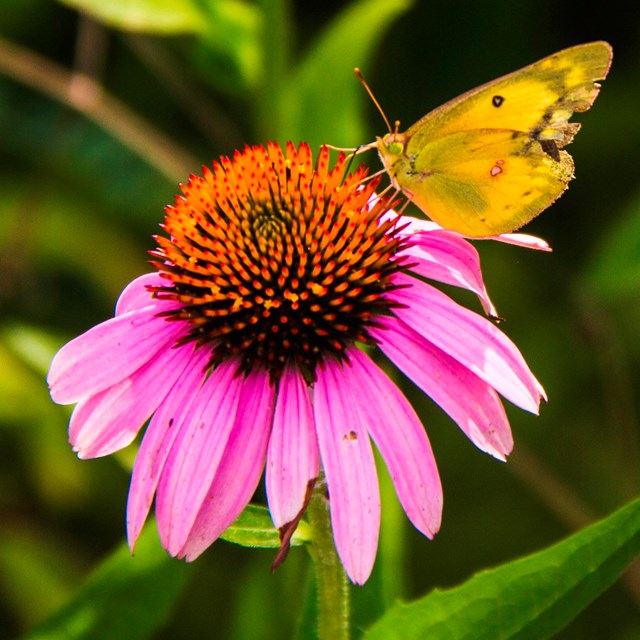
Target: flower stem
x=333, y=586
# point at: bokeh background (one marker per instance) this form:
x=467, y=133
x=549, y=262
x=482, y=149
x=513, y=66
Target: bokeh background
x=87, y=167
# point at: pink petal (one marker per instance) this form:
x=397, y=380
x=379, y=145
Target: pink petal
x=293, y=457
x=111, y=419
x=347, y=458
x=472, y=403
x=415, y=225
x=401, y=440
x=158, y=440
x=522, y=240
x=135, y=295
x=449, y=258
x=468, y=338
x=109, y=353
x=240, y=469
x=196, y=454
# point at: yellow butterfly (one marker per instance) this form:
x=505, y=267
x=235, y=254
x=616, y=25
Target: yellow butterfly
x=492, y=159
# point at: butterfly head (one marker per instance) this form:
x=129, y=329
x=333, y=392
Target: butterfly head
x=391, y=149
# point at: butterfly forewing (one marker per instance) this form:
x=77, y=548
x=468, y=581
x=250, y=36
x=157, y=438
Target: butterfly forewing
x=541, y=95
x=490, y=160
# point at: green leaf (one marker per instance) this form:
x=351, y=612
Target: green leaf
x=615, y=269
x=64, y=232
x=531, y=598
x=254, y=528
x=228, y=53
x=322, y=100
x=84, y=158
x=276, y=46
x=125, y=593
x=38, y=571
x=144, y=16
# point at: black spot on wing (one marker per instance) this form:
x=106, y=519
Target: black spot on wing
x=497, y=101
x=535, y=132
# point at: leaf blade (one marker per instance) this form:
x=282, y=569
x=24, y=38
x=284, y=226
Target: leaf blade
x=528, y=599
x=253, y=528
x=326, y=74
x=144, y=16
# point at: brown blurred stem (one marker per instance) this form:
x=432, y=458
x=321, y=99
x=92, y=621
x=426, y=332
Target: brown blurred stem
x=618, y=386
x=92, y=43
x=212, y=122
x=81, y=92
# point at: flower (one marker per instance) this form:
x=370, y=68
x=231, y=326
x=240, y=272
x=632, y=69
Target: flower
x=248, y=349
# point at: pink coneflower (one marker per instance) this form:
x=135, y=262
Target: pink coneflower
x=251, y=349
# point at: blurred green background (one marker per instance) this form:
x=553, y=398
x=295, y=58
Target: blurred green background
x=87, y=167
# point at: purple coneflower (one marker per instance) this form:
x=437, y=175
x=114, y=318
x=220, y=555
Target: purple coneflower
x=250, y=349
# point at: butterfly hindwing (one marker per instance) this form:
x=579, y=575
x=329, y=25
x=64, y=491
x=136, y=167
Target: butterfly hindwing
x=484, y=181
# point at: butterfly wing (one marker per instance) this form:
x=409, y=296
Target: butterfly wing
x=538, y=99
x=484, y=182
x=490, y=160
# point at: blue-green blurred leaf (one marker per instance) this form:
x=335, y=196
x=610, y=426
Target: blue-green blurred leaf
x=531, y=598
x=322, y=100
x=126, y=597
x=146, y=16
x=254, y=528
x=85, y=160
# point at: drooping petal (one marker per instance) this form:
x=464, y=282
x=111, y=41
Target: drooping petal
x=111, y=419
x=158, y=440
x=401, y=440
x=472, y=403
x=469, y=338
x=136, y=296
x=522, y=240
x=347, y=459
x=108, y=353
x=241, y=467
x=293, y=457
x=447, y=257
x=196, y=454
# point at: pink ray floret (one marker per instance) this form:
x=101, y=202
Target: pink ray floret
x=225, y=402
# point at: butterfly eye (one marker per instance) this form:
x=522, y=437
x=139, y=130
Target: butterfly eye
x=393, y=145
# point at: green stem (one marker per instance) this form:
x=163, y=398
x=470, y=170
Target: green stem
x=333, y=586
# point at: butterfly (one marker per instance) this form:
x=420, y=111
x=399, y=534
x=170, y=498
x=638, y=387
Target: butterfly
x=490, y=160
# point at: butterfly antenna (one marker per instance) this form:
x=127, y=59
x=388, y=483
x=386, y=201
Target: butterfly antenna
x=367, y=88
